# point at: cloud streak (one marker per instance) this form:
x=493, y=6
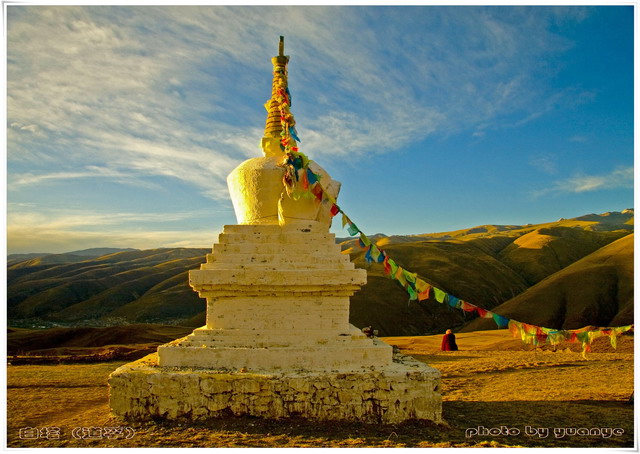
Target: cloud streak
x=147, y=89
x=64, y=230
x=622, y=177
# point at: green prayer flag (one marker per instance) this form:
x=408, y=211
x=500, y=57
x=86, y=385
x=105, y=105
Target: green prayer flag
x=364, y=239
x=412, y=293
x=440, y=295
x=410, y=277
x=394, y=267
x=375, y=252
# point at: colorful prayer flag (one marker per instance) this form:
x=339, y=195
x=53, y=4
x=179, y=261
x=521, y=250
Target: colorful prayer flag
x=481, y=312
x=439, y=294
x=501, y=321
x=467, y=307
x=317, y=191
x=385, y=263
x=412, y=293
x=410, y=277
x=394, y=267
x=375, y=252
x=400, y=276
x=454, y=301
x=312, y=177
x=367, y=255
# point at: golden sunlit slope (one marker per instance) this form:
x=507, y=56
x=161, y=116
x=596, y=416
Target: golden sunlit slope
x=595, y=290
x=95, y=288
x=546, y=250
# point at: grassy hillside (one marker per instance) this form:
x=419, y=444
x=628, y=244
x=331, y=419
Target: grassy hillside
x=596, y=290
x=103, y=287
x=486, y=265
x=544, y=251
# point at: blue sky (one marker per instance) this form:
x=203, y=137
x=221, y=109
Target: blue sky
x=123, y=122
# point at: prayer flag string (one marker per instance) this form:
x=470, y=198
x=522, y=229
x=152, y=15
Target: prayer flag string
x=300, y=181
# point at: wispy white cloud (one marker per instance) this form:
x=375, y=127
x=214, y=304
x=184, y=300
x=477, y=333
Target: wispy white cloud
x=544, y=163
x=171, y=90
x=60, y=230
x=579, y=139
x=21, y=179
x=622, y=177
x=108, y=91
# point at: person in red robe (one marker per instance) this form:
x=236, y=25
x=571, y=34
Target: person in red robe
x=449, y=342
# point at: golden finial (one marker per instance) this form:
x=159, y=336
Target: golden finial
x=273, y=126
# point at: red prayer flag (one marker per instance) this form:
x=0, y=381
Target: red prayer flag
x=385, y=262
x=317, y=191
x=335, y=210
x=304, y=180
x=467, y=307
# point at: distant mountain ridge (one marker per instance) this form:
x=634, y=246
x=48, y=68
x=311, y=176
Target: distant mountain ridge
x=486, y=265
x=65, y=257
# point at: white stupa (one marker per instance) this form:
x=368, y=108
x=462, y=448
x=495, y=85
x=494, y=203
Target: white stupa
x=277, y=340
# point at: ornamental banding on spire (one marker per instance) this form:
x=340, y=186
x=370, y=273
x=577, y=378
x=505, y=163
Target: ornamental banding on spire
x=279, y=93
x=279, y=132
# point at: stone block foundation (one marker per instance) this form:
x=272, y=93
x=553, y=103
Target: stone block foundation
x=406, y=389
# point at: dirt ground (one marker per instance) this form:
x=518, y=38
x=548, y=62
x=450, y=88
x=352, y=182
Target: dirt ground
x=495, y=393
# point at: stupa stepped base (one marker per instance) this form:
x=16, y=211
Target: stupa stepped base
x=218, y=349
x=273, y=338
x=404, y=390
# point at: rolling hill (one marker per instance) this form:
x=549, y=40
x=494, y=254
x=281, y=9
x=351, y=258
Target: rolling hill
x=486, y=265
x=596, y=290
x=99, y=288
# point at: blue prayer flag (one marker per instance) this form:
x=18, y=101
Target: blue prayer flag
x=294, y=133
x=501, y=321
x=312, y=177
x=367, y=256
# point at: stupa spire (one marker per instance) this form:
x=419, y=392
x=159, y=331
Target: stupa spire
x=279, y=97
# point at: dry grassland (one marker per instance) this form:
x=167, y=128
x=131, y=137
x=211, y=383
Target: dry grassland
x=491, y=383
